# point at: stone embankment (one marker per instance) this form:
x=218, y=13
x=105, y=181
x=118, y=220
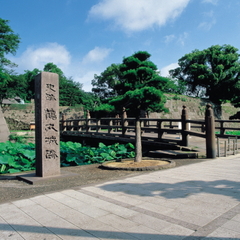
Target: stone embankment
x=20, y=117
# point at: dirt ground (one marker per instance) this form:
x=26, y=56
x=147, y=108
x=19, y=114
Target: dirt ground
x=12, y=189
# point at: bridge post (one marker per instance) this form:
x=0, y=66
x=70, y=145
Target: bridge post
x=185, y=126
x=63, y=122
x=110, y=123
x=116, y=123
x=87, y=121
x=210, y=132
x=124, y=123
x=159, y=126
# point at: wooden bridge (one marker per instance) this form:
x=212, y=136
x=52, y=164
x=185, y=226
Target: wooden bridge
x=156, y=133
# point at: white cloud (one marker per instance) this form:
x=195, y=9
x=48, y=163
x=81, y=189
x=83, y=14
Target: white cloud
x=165, y=70
x=86, y=79
x=37, y=57
x=182, y=38
x=207, y=25
x=137, y=15
x=169, y=38
x=96, y=55
x=81, y=70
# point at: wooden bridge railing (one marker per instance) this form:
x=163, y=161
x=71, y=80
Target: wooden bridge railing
x=156, y=128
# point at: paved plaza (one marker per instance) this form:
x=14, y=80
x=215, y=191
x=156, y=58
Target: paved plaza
x=196, y=201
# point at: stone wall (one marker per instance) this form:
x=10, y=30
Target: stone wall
x=20, y=119
x=196, y=108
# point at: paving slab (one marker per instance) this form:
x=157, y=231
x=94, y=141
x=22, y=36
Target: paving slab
x=192, y=202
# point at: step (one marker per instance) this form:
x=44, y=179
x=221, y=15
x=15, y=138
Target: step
x=172, y=154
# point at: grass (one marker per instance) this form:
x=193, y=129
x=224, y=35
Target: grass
x=237, y=133
x=20, y=131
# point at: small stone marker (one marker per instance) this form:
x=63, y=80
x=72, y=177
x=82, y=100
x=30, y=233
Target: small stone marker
x=47, y=124
x=4, y=131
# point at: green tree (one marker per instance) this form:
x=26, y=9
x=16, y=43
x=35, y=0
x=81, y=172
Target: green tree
x=29, y=78
x=70, y=92
x=89, y=101
x=18, y=87
x=103, y=84
x=51, y=67
x=9, y=42
x=213, y=72
x=5, y=79
x=12, y=85
x=140, y=88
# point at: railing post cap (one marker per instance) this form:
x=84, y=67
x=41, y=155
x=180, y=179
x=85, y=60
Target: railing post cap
x=209, y=105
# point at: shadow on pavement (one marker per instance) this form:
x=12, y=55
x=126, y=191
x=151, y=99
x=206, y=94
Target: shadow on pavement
x=90, y=233
x=177, y=190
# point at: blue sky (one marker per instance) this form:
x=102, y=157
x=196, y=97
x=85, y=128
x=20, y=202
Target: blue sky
x=84, y=37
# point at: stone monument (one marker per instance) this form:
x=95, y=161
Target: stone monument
x=47, y=124
x=4, y=131
x=47, y=130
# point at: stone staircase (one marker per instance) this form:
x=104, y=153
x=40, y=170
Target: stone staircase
x=173, y=154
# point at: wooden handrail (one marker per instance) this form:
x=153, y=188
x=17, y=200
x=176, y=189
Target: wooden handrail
x=155, y=125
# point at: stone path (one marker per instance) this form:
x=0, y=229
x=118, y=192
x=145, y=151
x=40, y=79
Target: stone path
x=197, y=201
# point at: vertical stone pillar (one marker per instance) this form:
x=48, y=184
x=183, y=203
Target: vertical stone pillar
x=47, y=124
x=210, y=132
x=185, y=126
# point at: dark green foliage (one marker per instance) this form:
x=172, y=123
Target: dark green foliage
x=103, y=85
x=73, y=154
x=29, y=77
x=12, y=85
x=70, y=92
x=104, y=110
x=135, y=72
x=5, y=81
x=9, y=42
x=17, y=87
x=139, y=87
x=89, y=101
x=213, y=72
x=135, y=84
x=17, y=157
x=17, y=138
x=146, y=98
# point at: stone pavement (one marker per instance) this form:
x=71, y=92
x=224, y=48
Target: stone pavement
x=197, y=201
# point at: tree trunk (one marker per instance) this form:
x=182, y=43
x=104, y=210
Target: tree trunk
x=138, y=142
x=217, y=110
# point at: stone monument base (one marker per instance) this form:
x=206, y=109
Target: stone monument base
x=32, y=178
